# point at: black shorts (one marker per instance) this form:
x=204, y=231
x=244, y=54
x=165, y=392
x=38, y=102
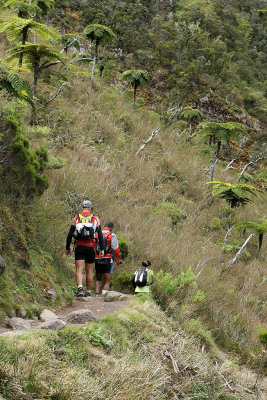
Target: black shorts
x=85, y=253
x=103, y=268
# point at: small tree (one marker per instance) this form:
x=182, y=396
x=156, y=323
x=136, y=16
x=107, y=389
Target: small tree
x=34, y=53
x=234, y=194
x=136, y=78
x=220, y=132
x=192, y=115
x=99, y=34
x=258, y=229
x=16, y=28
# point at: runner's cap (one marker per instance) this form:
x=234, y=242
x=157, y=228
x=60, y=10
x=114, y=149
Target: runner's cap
x=87, y=204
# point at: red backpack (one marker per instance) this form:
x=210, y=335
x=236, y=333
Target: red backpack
x=106, y=243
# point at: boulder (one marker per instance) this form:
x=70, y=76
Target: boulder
x=47, y=315
x=115, y=296
x=2, y=265
x=18, y=324
x=22, y=313
x=56, y=324
x=51, y=294
x=81, y=316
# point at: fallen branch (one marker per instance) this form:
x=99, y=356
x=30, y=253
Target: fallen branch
x=59, y=90
x=148, y=140
x=229, y=164
x=246, y=166
x=228, y=234
x=238, y=254
x=174, y=362
x=226, y=382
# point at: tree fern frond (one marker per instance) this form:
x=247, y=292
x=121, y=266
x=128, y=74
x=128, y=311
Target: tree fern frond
x=15, y=85
x=99, y=33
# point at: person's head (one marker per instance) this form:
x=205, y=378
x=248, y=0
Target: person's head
x=87, y=205
x=146, y=263
x=109, y=225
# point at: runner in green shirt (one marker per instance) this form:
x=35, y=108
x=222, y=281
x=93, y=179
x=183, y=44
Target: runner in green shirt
x=150, y=278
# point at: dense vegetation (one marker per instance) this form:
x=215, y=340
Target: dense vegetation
x=195, y=70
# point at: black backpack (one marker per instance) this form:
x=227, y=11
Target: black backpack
x=140, y=278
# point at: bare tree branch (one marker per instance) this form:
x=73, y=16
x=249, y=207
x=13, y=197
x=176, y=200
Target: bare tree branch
x=229, y=165
x=246, y=166
x=238, y=254
x=69, y=45
x=228, y=235
x=59, y=90
x=49, y=65
x=149, y=139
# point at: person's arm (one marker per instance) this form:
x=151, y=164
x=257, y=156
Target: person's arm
x=114, y=244
x=70, y=236
x=100, y=239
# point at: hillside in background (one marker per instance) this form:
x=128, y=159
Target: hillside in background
x=73, y=141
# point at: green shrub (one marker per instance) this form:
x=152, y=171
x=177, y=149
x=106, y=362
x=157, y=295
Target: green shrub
x=124, y=247
x=123, y=281
x=167, y=287
x=215, y=224
x=195, y=327
x=247, y=177
x=263, y=338
x=28, y=165
x=56, y=162
x=262, y=175
x=170, y=210
x=96, y=338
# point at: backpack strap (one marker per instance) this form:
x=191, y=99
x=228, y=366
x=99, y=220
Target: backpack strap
x=87, y=218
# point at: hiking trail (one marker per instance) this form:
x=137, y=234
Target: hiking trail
x=78, y=313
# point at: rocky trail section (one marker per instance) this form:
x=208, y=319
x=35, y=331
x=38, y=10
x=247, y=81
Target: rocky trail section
x=81, y=311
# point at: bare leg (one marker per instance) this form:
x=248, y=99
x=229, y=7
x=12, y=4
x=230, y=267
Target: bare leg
x=79, y=271
x=107, y=278
x=89, y=269
x=98, y=283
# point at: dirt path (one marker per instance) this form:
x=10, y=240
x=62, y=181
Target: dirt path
x=97, y=306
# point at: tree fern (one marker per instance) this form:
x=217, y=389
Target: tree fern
x=235, y=194
x=258, y=228
x=15, y=85
x=98, y=34
x=220, y=132
x=136, y=78
x=14, y=26
x=26, y=8
x=34, y=53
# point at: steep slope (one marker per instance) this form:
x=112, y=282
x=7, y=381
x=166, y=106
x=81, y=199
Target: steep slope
x=151, y=358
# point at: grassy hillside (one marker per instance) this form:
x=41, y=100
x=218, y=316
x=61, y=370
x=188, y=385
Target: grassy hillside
x=84, y=142
x=158, y=199
x=148, y=356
